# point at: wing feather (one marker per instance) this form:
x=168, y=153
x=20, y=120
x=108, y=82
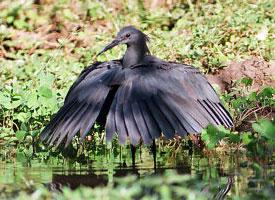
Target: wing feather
x=187, y=122
x=163, y=123
x=171, y=114
x=119, y=116
x=210, y=113
x=214, y=111
x=141, y=123
x=111, y=122
x=151, y=124
x=83, y=103
x=131, y=124
x=55, y=120
x=56, y=133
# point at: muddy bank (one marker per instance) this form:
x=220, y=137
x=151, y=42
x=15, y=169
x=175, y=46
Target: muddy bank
x=261, y=72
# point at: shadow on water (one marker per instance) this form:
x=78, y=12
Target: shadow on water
x=94, y=178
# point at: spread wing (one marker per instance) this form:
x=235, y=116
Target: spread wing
x=83, y=103
x=163, y=97
x=149, y=100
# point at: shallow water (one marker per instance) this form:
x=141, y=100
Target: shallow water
x=248, y=177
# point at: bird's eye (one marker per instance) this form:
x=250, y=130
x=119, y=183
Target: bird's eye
x=128, y=35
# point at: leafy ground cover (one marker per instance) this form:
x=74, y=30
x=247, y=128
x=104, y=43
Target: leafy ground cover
x=45, y=44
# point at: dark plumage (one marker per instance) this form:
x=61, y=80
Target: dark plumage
x=138, y=97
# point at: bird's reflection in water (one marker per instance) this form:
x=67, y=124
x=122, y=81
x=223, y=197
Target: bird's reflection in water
x=74, y=179
x=95, y=178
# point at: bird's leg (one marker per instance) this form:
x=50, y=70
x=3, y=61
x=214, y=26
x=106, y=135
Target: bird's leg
x=120, y=156
x=154, y=151
x=133, y=151
x=140, y=151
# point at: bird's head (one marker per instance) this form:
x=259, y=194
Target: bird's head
x=128, y=35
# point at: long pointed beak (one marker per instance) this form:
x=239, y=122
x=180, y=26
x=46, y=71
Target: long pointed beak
x=114, y=43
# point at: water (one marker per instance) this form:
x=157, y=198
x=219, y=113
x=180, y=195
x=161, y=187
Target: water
x=248, y=176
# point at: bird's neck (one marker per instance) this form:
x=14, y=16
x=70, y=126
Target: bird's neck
x=134, y=55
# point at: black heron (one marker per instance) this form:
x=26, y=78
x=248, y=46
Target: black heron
x=139, y=97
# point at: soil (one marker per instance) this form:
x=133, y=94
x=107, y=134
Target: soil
x=261, y=72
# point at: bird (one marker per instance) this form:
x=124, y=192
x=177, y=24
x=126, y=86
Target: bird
x=139, y=97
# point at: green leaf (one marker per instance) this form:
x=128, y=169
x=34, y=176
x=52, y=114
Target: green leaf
x=265, y=128
x=210, y=136
x=32, y=101
x=22, y=116
x=5, y=101
x=44, y=91
x=16, y=103
x=267, y=92
x=252, y=96
x=34, y=133
x=258, y=169
x=10, y=19
x=20, y=156
x=46, y=79
x=235, y=138
x=20, y=24
x=223, y=131
x=20, y=135
x=246, y=138
x=257, y=128
x=247, y=81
